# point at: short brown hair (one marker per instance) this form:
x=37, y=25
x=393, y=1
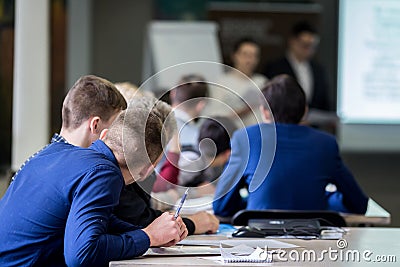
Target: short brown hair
x=91, y=96
x=286, y=99
x=303, y=27
x=191, y=87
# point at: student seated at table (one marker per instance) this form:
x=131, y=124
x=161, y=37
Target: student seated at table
x=214, y=150
x=188, y=100
x=214, y=144
x=169, y=169
x=134, y=205
x=304, y=162
x=59, y=208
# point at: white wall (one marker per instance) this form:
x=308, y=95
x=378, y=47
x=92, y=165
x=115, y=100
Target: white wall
x=79, y=40
x=118, y=32
x=31, y=79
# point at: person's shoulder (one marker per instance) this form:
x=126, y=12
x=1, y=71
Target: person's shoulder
x=276, y=67
x=56, y=149
x=227, y=76
x=77, y=158
x=259, y=79
x=277, y=62
x=317, y=66
x=280, y=60
x=321, y=133
x=321, y=136
x=246, y=130
x=104, y=156
x=254, y=129
x=89, y=157
x=96, y=164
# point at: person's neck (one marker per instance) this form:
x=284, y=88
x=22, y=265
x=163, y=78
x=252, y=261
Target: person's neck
x=246, y=72
x=76, y=137
x=295, y=58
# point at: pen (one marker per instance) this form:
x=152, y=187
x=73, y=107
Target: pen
x=178, y=210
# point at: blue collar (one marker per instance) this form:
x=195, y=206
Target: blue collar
x=101, y=147
x=98, y=145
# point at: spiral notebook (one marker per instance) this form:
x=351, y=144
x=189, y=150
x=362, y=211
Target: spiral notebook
x=259, y=255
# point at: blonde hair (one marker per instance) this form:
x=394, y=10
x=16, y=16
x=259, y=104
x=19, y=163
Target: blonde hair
x=142, y=130
x=130, y=91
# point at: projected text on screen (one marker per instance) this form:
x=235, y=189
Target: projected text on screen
x=369, y=61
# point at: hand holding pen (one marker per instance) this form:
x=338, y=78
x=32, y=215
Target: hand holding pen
x=178, y=209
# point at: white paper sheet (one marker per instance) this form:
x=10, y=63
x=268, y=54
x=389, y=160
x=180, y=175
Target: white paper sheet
x=182, y=251
x=254, y=243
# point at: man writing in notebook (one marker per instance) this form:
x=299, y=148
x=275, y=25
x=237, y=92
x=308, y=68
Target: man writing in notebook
x=135, y=207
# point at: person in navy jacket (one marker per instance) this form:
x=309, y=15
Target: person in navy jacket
x=286, y=165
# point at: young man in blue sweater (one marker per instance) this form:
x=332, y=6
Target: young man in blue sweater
x=58, y=209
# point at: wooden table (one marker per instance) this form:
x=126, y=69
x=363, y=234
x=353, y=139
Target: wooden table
x=367, y=243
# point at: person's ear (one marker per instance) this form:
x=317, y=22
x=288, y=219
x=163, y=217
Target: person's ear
x=221, y=159
x=233, y=58
x=146, y=171
x=200, y=106
x=226, y=154
x=103, y=134
x=94, y=125
x=304, y=118
x=172, y=95
x=265, y=114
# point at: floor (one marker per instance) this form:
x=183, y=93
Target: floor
x=4, y=180
x=378, y=174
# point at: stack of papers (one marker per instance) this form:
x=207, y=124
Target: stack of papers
x=253, y=243
x=182, y=251
x=225, y=251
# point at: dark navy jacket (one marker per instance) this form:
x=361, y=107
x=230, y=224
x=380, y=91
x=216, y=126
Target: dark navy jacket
x=58, y=211
x=293, y=176
x=320, y=99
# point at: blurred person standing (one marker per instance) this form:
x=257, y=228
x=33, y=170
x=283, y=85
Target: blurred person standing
x=240, y=86
x=299, y=63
